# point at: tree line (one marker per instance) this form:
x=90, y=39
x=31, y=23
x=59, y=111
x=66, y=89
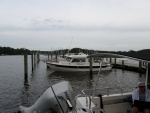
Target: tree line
x=12, y=51
x=140, y=54
x=144, y=54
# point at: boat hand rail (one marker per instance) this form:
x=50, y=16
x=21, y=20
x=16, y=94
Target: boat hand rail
x=89, y=109
x=86, y=96
x=107, y=89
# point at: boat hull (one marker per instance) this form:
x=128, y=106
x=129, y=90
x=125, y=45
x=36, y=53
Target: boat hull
x=58, y=67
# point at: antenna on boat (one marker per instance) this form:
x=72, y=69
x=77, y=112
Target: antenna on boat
x=100, y=66
x=70, y=44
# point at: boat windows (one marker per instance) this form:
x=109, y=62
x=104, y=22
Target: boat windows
x=78, y=60
x=68, y=59
x=74, y=60
x=82, y=60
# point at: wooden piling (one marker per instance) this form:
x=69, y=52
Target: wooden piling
x=115, y=62
x=32, y=61
x=38, y=59
x=25, y=66
x=110, y=60
x=123, y=64
x=144, y=64
x=91, y=66
x=63, y=53
x=106, y=59
x=51, y=55
x=140, y=65
x=56, y=55
x=48, y=56
x=148, y=79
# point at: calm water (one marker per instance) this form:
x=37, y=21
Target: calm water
x=15, y=91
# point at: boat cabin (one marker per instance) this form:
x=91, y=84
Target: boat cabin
x=77, y=58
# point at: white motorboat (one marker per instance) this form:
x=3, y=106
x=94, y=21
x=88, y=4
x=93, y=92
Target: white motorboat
x=77, y=62
x=60, y=98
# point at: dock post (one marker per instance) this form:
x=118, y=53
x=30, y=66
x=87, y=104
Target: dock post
x=106, y=59
x=122, y=64
x=63, y=53
x=147, y=81
x=143, y=64
x=110, y=60
x=38, y=58
x=115, y=62
x=140, y=66
x=56, y=55
x=148, y=76
x=90, y=66
x=48, y=55
x=32, y=61
x=25, y=66
x=51, y=55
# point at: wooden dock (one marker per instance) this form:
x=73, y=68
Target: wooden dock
x=126, y=64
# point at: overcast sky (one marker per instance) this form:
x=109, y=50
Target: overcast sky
x=111, y=25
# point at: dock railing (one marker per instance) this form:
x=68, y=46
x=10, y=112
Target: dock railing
x=125, y=63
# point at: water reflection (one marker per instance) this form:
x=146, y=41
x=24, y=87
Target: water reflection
x=114, y=79
x=78, y=80
x=15, y=90
x=25, y=91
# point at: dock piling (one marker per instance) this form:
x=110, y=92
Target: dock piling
x=148, y=79
x=25, y=66
x=140, y=65
x=38, y=58
x=56, y=55
x=51, y=55
x=48, y=56
x=110, y=60
x=32, y=61
x=91, y=66
x=115, y=62
x=63, y=53
x=123, y=66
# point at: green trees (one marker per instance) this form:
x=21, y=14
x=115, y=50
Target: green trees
x=12, y=51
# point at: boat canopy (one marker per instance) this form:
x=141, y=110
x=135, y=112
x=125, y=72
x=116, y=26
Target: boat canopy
x=111, y=55
x=77, y=56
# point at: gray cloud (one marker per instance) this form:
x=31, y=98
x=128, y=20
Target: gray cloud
x=101, y=24
x=40, y=25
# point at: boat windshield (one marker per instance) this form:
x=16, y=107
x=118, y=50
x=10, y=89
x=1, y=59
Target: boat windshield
x=78, y=60
x=68, y=59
